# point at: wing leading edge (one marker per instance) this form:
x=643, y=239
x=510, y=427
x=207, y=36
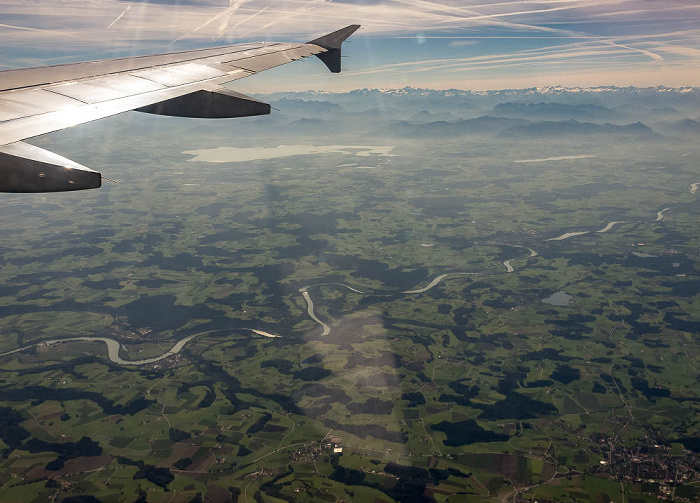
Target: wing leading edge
x=37, y=101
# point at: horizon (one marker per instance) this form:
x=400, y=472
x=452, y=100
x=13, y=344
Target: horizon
x=494, y=90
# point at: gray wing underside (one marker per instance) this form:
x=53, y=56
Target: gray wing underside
x=37, y=101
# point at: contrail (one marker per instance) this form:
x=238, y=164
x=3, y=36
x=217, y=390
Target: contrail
x=475, y=16
x=246, y=19
x=225, y=25
x=38, y=30
x=23, y=28
x=469, y=17
x=307, y=6
x=228, y=11
x=119, y=16
x=652, y=55
x=574, y=50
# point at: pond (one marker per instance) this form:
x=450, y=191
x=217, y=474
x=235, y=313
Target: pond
x=558, y=299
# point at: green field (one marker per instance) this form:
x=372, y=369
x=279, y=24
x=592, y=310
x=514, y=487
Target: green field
x=470, y=390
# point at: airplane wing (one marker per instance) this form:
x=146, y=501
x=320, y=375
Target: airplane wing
x=36, y=101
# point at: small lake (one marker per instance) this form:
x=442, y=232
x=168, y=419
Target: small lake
x=558, y=299
x=246, y=154
x=559, y=158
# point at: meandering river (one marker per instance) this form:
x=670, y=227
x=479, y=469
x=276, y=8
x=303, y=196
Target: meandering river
x=558, y=158
x=660, y=215
x=609, y=226
x=568, y=235
x=437, y=281
x=327, y=329
x=605, y=229
x=310, y=311
x=507, y=263
x=114, y=346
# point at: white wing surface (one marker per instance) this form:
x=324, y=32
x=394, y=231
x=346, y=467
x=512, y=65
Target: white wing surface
x=36, y=101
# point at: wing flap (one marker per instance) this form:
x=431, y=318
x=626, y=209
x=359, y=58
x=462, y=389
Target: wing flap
x=209, y=104
x=26, y=168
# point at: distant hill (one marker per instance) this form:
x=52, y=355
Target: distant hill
x=372, y=115
x=444, y=129
x=306, y=108
x=575, y=128
x=553, y=111
x=424, y=116
x=665, y=112
x=628, y=104
x=686, y=127
x=310, y=126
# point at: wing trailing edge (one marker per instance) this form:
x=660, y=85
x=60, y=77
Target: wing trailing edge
x=26, y=168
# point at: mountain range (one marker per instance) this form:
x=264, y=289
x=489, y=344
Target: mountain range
x=656, y=114
x=554, y=129
x=554, y=111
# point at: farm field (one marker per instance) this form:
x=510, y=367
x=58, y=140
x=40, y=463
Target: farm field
x=382, y=317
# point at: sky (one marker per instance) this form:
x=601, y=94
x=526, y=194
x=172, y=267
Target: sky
x=462, y=44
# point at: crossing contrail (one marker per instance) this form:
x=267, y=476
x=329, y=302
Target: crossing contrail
x=119, y=16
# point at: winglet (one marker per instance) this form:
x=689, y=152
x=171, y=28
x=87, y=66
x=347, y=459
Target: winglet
x=332, y=43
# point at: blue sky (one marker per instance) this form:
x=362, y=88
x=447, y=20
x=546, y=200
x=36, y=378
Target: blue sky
x=467, y=44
